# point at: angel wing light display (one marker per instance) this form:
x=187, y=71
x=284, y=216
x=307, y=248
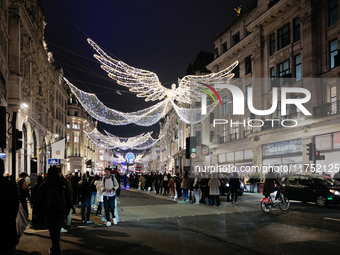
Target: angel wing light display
x=146, y=84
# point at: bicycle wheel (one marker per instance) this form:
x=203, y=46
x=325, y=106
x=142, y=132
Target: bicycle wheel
x=284, y=204
x=266, y=207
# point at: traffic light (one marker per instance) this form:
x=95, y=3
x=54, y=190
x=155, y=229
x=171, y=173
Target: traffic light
x=3, y=127
x=18, y=139
x=190, y=146
x=317, y=156
x=310, y=150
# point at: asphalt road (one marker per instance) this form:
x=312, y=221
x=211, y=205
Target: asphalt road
x=156, y=225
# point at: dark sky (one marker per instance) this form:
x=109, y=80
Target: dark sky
x=162, y=36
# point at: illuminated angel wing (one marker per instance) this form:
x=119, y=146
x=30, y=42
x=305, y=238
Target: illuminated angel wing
x=190, y=87
x=143, y=83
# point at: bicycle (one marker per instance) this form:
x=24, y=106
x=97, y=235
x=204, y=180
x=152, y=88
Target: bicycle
x=283, y=202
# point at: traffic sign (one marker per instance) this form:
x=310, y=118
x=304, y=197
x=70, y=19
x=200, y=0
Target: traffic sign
x=193, y=155
x=193, y=150
x=52, y=161
x=205, y=150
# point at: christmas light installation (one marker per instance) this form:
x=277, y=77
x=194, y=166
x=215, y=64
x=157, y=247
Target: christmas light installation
x=148, y=157
x=146, y=84
x=109, y=141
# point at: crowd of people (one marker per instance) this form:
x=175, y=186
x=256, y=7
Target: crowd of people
x=205, y=189
x=53, y=198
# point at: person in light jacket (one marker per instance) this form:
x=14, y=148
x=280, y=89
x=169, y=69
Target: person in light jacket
x=214, y=190
x=109, y=186
x=185, y=185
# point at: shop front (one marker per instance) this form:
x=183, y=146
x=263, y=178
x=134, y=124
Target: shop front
x=284, y=157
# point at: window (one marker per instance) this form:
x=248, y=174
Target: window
x=236, y=71
x=67, y=137
x=211, y=118
x=224, y=106
x=224, y=47
x=236, y=38
x=333, y=99
x=235, y=135
x=76, y=150
x=247, y=93
x=76, y=114
x=211, y=136
x=68, y=125
x=247, y=33
x=272, y=73
x=333, y=51
x=296, y=30
x=75, y=125
x=198, y=138
x=224, y=133
x=248, y=65
x=76, y=137
x=333, y=12
x=283, y=37
x=272, y=44
x=284, y=68
x=297, y=60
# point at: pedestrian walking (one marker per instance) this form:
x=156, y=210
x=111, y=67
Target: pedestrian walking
x=67, y=225
x=196, y=189
x=234, y=184
x=214, y=190
x=117, y=176
x=178, y=181
x=185, y=185
x=93, y=189
x=10, y=199
x=165, y=184
x=54, y=200
x=109, y=186
x=85, y=199
x=24, y=191
x=171, y=186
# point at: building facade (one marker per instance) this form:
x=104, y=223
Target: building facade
x=279, y=45
x=32, y=87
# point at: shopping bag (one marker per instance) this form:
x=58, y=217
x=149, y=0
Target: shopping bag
x=21, y=221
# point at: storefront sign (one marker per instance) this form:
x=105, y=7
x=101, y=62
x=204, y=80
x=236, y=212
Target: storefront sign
x=283, y=147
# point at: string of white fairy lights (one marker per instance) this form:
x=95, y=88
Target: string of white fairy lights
x=110, y=141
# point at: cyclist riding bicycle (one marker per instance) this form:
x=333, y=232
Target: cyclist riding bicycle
x=269, y=184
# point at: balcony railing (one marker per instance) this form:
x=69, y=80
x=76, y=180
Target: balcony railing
x=283, y=80
x=326, y=109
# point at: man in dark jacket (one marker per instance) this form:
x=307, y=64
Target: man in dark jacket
x=85, y=194
x=24, y=192
x=269, y=184
x=54, y=200
x=10, y=199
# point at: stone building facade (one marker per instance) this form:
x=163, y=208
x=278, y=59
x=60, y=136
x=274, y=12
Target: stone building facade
x=280, y=44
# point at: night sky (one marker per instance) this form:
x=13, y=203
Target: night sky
x=162, y=36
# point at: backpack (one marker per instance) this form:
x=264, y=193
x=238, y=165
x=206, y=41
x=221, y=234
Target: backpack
x=56, y=200
x=93, y=187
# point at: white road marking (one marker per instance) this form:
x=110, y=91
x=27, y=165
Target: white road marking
x=326, y=218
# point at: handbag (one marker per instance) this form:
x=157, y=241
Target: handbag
x=22, y=219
